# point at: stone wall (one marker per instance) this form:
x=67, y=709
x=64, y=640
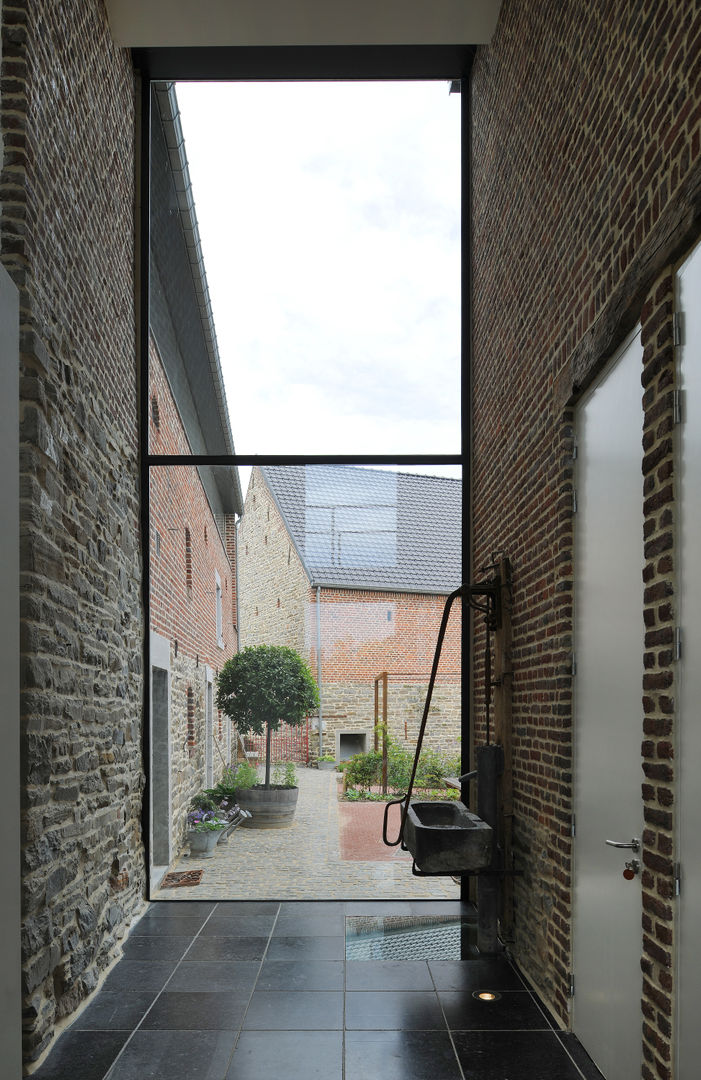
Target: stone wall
x=586, y=189
x=67, y=240
x=273, y=585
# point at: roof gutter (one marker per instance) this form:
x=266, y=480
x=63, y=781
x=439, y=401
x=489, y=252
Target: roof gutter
x=175, y=142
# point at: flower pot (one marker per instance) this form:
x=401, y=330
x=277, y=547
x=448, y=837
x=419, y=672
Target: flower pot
x=271, y=808
x=327, y=766
x=202, y=844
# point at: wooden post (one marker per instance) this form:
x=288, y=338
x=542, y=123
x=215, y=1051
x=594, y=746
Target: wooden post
x=384, y=733
x=503, y=679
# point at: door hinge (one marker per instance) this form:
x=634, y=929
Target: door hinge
x=677, y=879
x=677, y=410
x=677, y=642
x=678, y=327
x=574, y=500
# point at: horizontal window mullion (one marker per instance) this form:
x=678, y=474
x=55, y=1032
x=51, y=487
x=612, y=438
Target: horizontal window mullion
x=303, y=459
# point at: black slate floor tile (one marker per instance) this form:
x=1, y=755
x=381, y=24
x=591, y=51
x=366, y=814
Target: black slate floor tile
x=238, y=925
x=310, y=925
x=116, y=1010
x=169, y=909
x=388, y=975
x=227, y=909
x=515, y=1010
x=525, y=1055
x=401, y=1055
x=581, y=1057
x=306, y=948
x=389, y=1010
x=174, y=1055
x=216, y=975
x=292, y=1055
x=140, y=974
x=84, y=1054
x=310, y=908
x=294, y=975
x=475, y=975
x=197, y=1011
x=227, y=948
x=176, y=925
x=303, y=1011
x=157, y=947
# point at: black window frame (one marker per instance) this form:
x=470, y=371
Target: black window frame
x=448, y=63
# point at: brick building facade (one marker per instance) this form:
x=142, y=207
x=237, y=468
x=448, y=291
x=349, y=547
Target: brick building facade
x=289, y=598
x=586, y=179
x=192, y=538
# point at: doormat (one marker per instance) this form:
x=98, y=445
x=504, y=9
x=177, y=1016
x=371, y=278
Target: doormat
x=178, y=878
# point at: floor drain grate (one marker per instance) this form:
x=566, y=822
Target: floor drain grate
x=178, y=878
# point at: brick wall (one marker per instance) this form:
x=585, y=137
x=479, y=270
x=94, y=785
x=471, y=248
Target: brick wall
x=186, y=552
x=587, y=187
x=186, y=547
x=659, y=678
x=67, y=239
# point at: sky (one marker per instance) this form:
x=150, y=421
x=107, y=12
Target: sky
x=329, y=216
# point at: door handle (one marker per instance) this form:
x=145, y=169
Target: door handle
x=634, y=844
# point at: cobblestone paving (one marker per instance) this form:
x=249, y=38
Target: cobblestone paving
x=303, y=862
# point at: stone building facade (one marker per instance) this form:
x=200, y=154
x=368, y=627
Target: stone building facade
x=364, y=632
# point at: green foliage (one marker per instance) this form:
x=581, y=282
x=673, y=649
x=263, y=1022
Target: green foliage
x=245, y=776
x=364, y=770
x=266, y=685
x=327, y=757
x=204, y=801
x=226, y=788
x=284, y=774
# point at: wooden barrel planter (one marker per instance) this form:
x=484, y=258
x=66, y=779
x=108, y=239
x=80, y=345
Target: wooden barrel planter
x=272, y=808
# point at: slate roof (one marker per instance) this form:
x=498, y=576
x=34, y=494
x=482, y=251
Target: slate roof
x=371, y=529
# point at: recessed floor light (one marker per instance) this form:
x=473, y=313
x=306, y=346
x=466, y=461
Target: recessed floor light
x=486, y=995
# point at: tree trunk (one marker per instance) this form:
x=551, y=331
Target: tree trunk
x=268, y=741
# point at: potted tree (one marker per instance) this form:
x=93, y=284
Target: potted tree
x=259, y=689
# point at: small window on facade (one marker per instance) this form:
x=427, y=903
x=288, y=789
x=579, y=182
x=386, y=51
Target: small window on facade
x=219, y=615
x=158, y=543
x=155, y=412
x=206, y=536
x=188, y=561
x=190, y=716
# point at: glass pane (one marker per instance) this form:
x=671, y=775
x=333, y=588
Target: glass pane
x=329, y=218
x=360, y=603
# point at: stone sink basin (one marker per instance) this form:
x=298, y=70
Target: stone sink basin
x=446, y=837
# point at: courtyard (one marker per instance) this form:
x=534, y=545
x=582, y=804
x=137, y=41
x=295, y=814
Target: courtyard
x=332, y=851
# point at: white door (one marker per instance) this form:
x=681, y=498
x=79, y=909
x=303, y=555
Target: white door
x=689, y=746
x=608, y=685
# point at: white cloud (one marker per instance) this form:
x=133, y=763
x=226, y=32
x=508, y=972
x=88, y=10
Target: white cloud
x=329, y=217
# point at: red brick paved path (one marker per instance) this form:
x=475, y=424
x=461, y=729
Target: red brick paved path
x=361, y=832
